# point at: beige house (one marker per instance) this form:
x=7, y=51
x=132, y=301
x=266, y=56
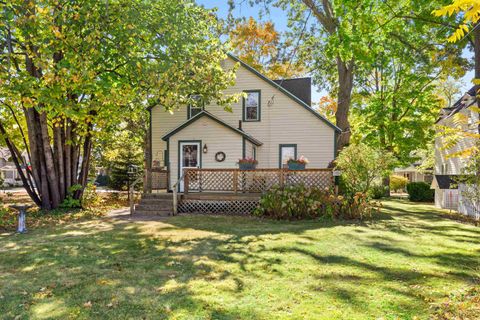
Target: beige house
x=413, y=174
x=448, y=193
x=273, y=123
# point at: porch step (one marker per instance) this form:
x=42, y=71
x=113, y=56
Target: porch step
x=164, y=195
x=154, y=207
x=160, y=204
x=153, y=201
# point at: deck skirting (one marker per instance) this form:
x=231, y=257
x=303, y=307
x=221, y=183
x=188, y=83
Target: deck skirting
x=217, y=206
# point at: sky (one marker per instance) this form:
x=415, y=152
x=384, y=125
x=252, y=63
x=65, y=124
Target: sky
x=279, y=18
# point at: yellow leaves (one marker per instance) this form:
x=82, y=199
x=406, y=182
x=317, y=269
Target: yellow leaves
x=464, y=153
x=27, y=101
x=41, y=10
x=56, y=32
x=460, y=119
x=471, y=14
x=458, y=34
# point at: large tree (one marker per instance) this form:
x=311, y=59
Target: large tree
x=396, y=100
x=69, y=70
x=343, y=37
x=262, y=47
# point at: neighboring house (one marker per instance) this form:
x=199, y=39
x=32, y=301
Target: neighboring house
x=447, y=167
x=273, y=123
x=8, y=171
x=413, y=174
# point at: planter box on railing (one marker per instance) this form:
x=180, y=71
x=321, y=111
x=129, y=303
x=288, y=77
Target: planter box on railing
x=296, y=166
x=247, y=166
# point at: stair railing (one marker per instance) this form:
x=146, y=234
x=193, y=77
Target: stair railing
x=175, y=193
x=131, y=191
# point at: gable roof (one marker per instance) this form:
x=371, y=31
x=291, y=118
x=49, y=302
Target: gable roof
x=467, y=100
x=286, y=92
x=445, y=181
x=210, y=116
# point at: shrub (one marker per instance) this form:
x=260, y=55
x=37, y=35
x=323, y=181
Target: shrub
x=90, y=197
x=377, y=192
x=299, y=202
x=362, y=165
x=70, y=202
x=102, y=180
x=398, y=183
x=420, y=191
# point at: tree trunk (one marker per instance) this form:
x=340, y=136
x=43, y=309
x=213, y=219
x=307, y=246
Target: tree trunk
x=28, y=186
x=345, y=86
x=58, y=143
x=476, y=41
x=147, y=161
x=52, y=175
x=386, y=185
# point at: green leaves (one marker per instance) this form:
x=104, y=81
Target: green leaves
x=100, y=56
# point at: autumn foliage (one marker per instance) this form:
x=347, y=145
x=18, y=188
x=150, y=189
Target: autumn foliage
x=260, y=46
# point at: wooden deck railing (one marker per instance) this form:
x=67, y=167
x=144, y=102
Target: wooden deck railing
x=254, y=181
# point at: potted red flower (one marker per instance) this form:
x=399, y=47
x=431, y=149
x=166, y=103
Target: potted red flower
x=247, y=164
x=297, y=164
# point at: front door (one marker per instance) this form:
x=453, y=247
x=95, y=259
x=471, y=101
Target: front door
x=189, y=157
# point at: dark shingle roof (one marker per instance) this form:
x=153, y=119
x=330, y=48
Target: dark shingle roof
x=445, y=181
x=299, y=87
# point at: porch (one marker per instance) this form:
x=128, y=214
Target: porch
x=229, y=191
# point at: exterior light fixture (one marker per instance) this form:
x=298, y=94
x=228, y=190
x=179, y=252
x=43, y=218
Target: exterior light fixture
x=205, y=148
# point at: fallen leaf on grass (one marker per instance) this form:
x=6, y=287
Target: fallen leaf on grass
x=88, y=304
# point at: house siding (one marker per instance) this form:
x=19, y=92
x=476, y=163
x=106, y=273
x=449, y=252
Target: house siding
x=283, y=121
x=454, y=165
x=454, y=199
x=217, y=138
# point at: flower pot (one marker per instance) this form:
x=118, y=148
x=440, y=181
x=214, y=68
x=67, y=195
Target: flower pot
x=296, y=166
x=247, y=166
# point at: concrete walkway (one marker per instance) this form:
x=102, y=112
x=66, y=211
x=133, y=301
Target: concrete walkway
x=124, y=214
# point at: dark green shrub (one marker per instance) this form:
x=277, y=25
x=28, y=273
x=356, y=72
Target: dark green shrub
x=420, y=191
x=299, y=202
x=377, y=192
x=102, y=180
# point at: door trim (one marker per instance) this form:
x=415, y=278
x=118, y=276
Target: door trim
x=291, y=145
x=178, y=156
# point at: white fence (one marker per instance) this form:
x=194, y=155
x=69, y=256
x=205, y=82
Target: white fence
x=467, y=206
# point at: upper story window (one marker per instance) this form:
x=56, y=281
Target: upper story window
x=197, y=106
x=252, y=105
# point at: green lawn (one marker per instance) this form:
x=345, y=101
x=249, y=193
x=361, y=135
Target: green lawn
x=218, y=267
